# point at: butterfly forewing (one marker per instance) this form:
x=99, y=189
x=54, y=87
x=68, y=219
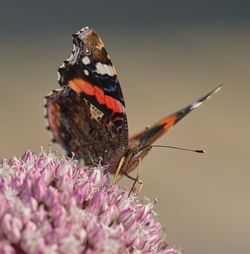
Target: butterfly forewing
x=90, y=73
x=150, y=135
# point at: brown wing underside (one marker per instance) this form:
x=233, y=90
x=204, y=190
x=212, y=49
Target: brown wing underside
x=80, y=128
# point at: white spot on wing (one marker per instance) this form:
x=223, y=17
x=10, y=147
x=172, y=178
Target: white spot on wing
x=105, y=69
x=85, y=28
x=58, y=76
x=59, y=89
x=100, y=69
x=86, y=60
x=86, y=72
x=195, y=105
x=62, y=66
x=108, y=69
x=49, y=94
x=71, y=58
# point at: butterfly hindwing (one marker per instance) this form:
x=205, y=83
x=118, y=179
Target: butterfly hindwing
x=82, y=129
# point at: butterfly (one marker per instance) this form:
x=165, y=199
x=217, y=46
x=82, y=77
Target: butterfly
x=87, y=115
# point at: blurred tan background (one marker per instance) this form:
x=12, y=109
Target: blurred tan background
x=167, y=55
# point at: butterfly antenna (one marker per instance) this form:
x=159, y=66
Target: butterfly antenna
x=181, y=148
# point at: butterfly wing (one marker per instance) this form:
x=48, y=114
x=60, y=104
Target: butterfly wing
x=90, y=73
x=150, y=135
x=87, y=115
x=82, y=129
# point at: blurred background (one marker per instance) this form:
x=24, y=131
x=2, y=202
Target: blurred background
x=167, y=54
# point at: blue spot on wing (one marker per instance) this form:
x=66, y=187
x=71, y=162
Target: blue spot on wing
x=110, y=89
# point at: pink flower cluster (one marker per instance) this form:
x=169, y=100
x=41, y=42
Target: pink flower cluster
x=53, y=206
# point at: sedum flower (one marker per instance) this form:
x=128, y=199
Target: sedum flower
x=53, y=206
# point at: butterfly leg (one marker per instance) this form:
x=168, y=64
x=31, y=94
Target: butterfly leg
x=136, y=180
x=118, y=170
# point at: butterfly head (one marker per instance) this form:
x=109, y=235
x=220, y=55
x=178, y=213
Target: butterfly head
x=133, y=155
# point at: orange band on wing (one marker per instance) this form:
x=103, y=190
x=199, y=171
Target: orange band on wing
x=168, y=122
x=80, y=85
x=113, y=104
x=99, y=95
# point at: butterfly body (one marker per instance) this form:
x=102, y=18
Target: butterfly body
x=87, y=116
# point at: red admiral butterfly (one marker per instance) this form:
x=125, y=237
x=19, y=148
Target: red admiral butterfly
x=87, y=116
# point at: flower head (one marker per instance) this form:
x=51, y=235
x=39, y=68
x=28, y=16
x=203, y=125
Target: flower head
x=53, y=206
